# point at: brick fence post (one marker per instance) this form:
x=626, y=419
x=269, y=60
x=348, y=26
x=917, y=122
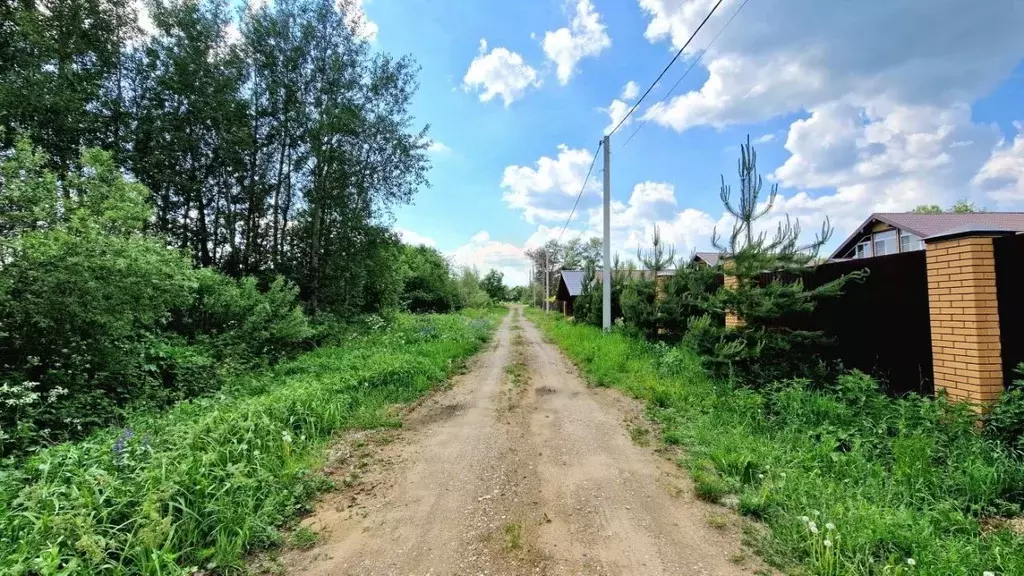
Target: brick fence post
x=964, y=312
x=730, y=282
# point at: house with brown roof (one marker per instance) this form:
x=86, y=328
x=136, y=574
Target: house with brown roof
x=711, y=259
x=887, y=233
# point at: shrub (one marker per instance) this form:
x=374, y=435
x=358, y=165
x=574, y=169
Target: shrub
x=428, y=283
x=1005, y=422
x=238, y=321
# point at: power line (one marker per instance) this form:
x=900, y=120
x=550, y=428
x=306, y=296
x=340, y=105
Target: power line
x=692, y=64
x=582, y=188
x=671, y=62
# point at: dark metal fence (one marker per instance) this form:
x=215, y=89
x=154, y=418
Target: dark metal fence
x=1009, y=257
x=880, y=325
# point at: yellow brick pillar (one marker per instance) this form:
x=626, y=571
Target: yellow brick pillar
x=729, y=283
x=964, y=310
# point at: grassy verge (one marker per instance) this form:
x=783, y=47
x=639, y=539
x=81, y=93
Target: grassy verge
x=849, y=481
x=199, y=486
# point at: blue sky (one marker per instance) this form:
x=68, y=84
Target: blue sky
x=854, y=107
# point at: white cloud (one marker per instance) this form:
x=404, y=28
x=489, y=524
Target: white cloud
x=630, y=90
x=1001, y=178
x=414, y=239
x=585, y=36
x=438, y=147
x=764, y=138
x=484, y=253
x=355, y=17
x=616, y=111
x=547, y=192
x=884, y=90
x=499, y=73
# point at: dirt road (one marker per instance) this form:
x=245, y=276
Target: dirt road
x=517, y=468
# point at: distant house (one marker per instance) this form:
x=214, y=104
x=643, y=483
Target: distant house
x=711, y=259
x=895, y=232
x=570, y=285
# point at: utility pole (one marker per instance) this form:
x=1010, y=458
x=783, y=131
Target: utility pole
x=547, y=280
x=606, y=321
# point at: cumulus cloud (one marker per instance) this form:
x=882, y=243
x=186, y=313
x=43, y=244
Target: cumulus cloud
x=630, y=91
x=547, y=190
x=414, y=239
x=499, y=72
x=484, y=253
x=618, y=109
x=883, y=92
x=585, y=36
x=1001, y=178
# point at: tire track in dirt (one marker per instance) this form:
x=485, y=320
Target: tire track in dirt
x=540, y=479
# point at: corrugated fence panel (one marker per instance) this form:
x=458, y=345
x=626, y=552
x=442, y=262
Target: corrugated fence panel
x=1009, y=256
x=881, y=325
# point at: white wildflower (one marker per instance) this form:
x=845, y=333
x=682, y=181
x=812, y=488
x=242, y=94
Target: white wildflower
x=911, y=562
x=813, y=528
x=827, y=543
x=830, y=526
x=760, y=476
x=805, y=519
x=988, y=573
x=286, y=437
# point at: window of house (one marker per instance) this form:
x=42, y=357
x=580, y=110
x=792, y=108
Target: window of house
x=885, y=243
x=910, y=242
x=863, y=249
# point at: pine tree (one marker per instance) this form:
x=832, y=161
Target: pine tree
x=767, y=291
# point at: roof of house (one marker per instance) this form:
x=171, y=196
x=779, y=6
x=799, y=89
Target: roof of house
x=927, y=225
x=711, y=258
x=573, y=280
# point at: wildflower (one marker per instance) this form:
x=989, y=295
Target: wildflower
x=988, y=573
x=760, y=476
x=830, y=526
x=827, y=543
x=286, y=437
x=121, y=444
x=911, y=562
x=805, y=519
x=812, y=527
x=782, y=475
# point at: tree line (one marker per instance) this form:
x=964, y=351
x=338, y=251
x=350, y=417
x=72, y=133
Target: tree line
x=273, y=141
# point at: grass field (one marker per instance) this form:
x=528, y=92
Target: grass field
x=848, y=481
x=200, y=486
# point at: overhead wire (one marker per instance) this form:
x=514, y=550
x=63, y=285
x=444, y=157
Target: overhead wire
x=687, y=71
x=582, y=188
x=669, y=65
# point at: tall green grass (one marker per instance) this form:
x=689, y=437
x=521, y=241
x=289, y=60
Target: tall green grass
x=849, y=480
x=201, y=485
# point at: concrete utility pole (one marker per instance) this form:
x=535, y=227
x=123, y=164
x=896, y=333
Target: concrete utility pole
x=547, y=280
x=606, y=321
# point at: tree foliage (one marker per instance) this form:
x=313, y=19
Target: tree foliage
x=97, y=315
x=767, y=288
x=493, y=283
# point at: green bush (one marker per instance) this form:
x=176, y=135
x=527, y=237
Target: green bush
x=98, y=318
x=1005, y=422
x=238, y=321
x=428, y=282
x=205, y=483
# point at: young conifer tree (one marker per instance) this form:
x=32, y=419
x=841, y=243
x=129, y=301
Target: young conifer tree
x=768, y=291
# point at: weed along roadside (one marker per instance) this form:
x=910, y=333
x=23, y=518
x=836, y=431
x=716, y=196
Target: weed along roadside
x=203, y=484
x=849, y=481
